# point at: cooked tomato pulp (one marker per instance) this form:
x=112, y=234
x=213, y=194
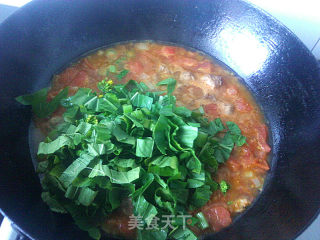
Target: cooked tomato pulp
x=200, y=83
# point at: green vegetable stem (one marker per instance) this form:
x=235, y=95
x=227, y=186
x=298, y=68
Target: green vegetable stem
x=128, y=142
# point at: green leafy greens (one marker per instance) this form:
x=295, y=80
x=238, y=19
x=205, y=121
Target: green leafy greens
x=129, y=142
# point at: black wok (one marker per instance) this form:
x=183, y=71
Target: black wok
x=41, y=38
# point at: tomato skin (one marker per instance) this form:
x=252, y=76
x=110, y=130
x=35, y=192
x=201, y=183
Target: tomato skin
x=118, y=225
x=233, y=164
x=204, y=67
x=261, y=165
x=185, y=62
x=86, y=64
x=218, y=217
x=240, y=103
x=93, y=62
x=135, y=67
x=147, y=63
x=232, y=91
x=246, y=156
x=242, y=106
x=52, y=94
x=211, y=108
x=80, y=80
x=167, y=51
x=192, y=91
x=262, y=137
x=66, y=77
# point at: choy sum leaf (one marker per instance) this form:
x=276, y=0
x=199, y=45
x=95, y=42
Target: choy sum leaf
x=127, y=142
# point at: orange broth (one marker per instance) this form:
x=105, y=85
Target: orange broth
x=200, y=83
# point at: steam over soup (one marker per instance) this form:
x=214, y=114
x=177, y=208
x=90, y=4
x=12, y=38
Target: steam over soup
x=145, y=140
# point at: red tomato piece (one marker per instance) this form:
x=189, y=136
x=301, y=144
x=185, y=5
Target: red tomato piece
x=80, y=80
x=167, y=51
x=66, y=77
x=246, y=156
x=51, y=94
x=218, y=217
x=191, y=90
x=242, y=106
x=204, y=67
x=135, y=67
x=262, y=165
x=87, y=64
x=119, y=225
x=232, y=91
x=147, y=62
x=197, y=92
x=186, y=62
x=233, y=164
x=94, y=61
x=262, y=137
x=211, y=108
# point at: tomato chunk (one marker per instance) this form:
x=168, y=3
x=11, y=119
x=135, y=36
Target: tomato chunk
x=66, y=77
x=135, y=67
x=204, y=67
x=52, y=94
x=262, y=165
x=186, y=62
x=211, y=108
x=191, y=91
x=262, y=137
x=86, y=64
x=167, y=51
x=233, y=164
x=242, y=106
x=232, y=91
x=246, y=156
x=118, y=225
x=80, y=79
x=147, y=63
x=218, y=217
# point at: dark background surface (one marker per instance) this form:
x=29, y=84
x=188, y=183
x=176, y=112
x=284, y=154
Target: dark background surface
x=5, y=11
x=8, y=10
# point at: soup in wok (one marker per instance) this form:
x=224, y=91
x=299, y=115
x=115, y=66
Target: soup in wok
x=143, y=140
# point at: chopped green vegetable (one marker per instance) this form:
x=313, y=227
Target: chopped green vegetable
x=119, y=177
x=144, y=209
x=129, y=142
x=122, y=74
x=86, y=196
x=201, y=196
x=224, y=186
x=183, y=234
x=187, y=135
x=105, y=85
x=142, y=101
x=203, y=224
x=144, y=147
x=152, y=234
x=52, y=203
x=164, y=166
x=75, y=168
x=111, y=53
x=171, y=84
x=112, y=68
x=55, y=145
x=38, y=101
